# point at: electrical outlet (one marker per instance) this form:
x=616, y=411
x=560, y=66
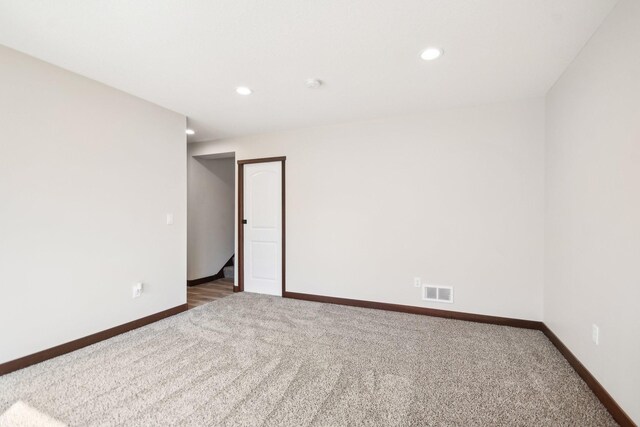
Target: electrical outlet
x=417, y=282
x=136, y=290
x=595, y=334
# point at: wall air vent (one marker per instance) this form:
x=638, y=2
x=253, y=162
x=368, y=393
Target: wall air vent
x=437, y=293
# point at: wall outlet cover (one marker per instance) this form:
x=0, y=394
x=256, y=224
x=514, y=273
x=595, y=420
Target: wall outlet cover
x=136, y=290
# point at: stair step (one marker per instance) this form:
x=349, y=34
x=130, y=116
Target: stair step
x=228, y=272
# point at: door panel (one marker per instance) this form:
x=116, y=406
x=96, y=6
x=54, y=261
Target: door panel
x=263, y=228
x=264, y=256
x=263, y=213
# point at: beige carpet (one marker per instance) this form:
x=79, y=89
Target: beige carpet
x=256, y=360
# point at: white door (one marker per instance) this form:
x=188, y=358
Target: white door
x=263, y=228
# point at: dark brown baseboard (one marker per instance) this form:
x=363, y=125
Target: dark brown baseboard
x=207, y=279
x=605, y=398
x=59, y=350
x=457, y=315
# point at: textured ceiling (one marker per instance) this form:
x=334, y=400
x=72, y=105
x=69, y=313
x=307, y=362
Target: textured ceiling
x=190, y=55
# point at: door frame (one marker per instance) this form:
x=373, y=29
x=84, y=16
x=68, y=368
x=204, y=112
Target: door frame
x=240, y=181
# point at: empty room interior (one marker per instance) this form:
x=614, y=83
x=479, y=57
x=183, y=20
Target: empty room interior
x=320, y=213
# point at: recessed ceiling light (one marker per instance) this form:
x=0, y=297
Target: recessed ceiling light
x=243, y=90
x=190, y=132
x=431, y=53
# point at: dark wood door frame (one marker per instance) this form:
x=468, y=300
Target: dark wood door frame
x=241, y=163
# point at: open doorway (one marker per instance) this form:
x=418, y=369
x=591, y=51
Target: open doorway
x=210, y=228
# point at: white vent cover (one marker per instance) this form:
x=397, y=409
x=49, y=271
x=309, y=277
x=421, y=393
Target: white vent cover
x=437, y=293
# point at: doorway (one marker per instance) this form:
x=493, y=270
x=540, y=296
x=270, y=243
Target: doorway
x=261, y=226
x=210, y=227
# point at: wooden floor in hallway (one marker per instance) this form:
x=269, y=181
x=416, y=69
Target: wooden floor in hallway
x=207, y=292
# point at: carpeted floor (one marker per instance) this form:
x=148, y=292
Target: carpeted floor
x=256, y=360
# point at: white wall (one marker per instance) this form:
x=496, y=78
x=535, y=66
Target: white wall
x=211, y=219
x=454, y=197
x=87, y=175
x=593, y=206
